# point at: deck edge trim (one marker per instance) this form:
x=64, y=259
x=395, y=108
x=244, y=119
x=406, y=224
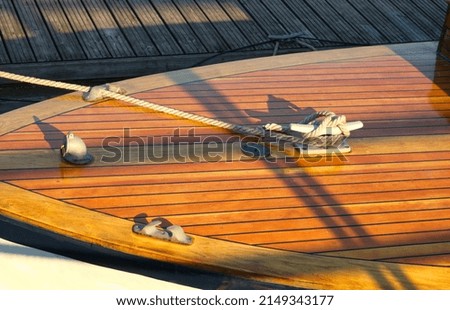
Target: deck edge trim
x=287, y=268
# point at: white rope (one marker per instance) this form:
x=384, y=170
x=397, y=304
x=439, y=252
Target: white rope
x=43, y=82
x=330, y=118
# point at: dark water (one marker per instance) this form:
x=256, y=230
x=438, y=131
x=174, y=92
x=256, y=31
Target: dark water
x=14, y=96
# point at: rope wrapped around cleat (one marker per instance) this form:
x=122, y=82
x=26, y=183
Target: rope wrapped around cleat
x=316, y=137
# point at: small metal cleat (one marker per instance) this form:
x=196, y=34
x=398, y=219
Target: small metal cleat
x=74, y=150
x=173, y=233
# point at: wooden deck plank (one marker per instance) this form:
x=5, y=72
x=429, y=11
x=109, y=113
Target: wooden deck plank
x=276, y=107
x=223, y=90
x=344, y=29
x=271, y=218
x=263, y=206
x=307, y=95
x=200, y=24
x=401, y=20
x=206, y=228
x=312, y=20
x=84, y=29
x=278, y=90
x=219, y=197
x=360, y=23
x=387, y=253
x=81, y=184
x=33, y=140
x=40, y=39
x=108, y=29
x=417, y=123
x=155, y=27
x=431, y=260
x=431, y=26
x=397, y=77
x=439, y=4
x=417, y=104
x=335, y=235
x=95, y=137
x=248, y=26
x=54, y=140
x=371, y=11
x=282, y=186
x=175, y=21
x=266, y=20
x=280, y=104
x=292, y=81
x=224, y=25
x=344, y=92
x=13, y=34
x=289, y=21
x=362, y=164
x=332, y=71
x=132, y=29
x=60, y=30
x=401, y=239
x=4, y=58
x=387, y=149
x=435, y=14
x=357, y=169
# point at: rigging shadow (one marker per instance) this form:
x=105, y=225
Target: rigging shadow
x=312, y=194
x=280, y=109
x=52, y=135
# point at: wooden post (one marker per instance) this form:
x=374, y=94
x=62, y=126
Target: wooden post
x=444, y=43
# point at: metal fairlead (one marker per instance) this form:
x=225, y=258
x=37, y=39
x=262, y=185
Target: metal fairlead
x=74, y=150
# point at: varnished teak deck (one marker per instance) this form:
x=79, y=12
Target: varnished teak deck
x=374, y=218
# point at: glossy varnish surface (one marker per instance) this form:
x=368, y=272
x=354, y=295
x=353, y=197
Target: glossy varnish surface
x=388, y=200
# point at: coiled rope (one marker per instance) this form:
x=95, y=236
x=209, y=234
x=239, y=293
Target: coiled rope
x=330, y=119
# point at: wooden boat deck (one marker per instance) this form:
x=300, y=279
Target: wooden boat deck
x=83, y=39
x=377, y=217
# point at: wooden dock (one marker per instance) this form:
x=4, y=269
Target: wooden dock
x=86, y=39
x=376, y=218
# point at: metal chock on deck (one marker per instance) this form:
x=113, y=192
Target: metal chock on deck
x=173, y=233
x=74, y=150
x=96, y=93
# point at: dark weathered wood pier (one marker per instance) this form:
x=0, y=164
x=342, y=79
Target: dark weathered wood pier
x=80, y=39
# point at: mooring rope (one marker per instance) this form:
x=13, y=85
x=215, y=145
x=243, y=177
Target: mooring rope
x=312, y=137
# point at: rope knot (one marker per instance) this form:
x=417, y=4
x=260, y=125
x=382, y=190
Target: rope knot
x=315, y=131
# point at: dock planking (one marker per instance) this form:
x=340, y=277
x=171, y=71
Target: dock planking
x=132, y=29
x=109, y=30
x=84, y=29
x=60, y=30
x=13, y=35
x=156, y=28
x=38, y=34
x=35, y=28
